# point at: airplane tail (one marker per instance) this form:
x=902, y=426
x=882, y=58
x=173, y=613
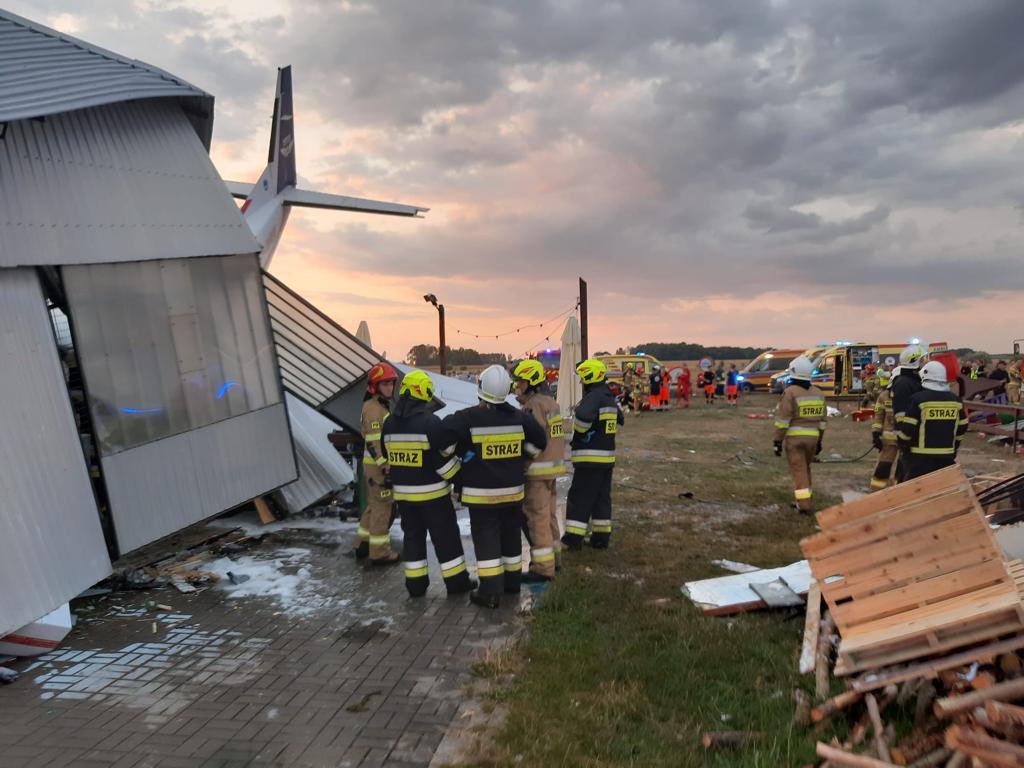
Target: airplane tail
x=280, y=171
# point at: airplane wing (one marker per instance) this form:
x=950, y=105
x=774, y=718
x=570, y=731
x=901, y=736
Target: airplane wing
x=239, y=189
x=301, y=198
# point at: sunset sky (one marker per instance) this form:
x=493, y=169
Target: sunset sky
x=725, y=172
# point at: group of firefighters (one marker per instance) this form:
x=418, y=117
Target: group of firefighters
x=659, y=386
x=918, y=425
x=500, y=461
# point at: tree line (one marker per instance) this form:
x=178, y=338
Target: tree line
x=682, y=350
x=429, y=354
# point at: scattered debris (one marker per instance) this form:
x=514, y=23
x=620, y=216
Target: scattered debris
x=732, y=565
x=730, y=739
x=237, y=578
x=40, y=636
x=726, y=595
x=7, y=675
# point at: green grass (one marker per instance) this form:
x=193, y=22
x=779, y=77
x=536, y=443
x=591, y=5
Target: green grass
x=617, y=668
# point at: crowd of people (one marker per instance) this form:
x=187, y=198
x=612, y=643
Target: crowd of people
x=499, y=461
x=656, y=392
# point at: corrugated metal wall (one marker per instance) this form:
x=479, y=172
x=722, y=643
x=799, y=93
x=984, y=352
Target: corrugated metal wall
x=51, y=543
x=161, y=487
x=321, y=468
x=124, y=182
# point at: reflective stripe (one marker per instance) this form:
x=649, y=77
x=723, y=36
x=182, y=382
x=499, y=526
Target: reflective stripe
x=362, y=533
x=372, y=437
x=582, y=426
x=400, y=445
x=597, y=457
x=907, y=420
x=453, y=567
x=802, y=494
x=378, y=540
x=545, y=469
x=932, y=451
x=781, y=423
x=415, y=569
x=576, y=527
x=877, y=484
x=543, y=554
x=446, y=452
x=601, y=526
x=489, y=567
x=405, y=437
x=492, y=495
x=512, y=563
x=449, y=469
x=421, y=492
x=554, y=418
x=480, y=433
x=369, y=458
x=802, y=432
x=532, y=449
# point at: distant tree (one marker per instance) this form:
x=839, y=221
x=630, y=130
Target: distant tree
x=620, y=351
x=598, y=354
x=682, y=350
x=422, y=354
x=428, y=354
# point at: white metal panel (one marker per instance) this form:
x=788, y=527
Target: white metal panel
x=321, y=468
x=125, y=182
x=51, y=543
x=43, y=72
x=159, y=488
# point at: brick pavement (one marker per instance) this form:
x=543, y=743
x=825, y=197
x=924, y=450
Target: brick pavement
x=366, y=678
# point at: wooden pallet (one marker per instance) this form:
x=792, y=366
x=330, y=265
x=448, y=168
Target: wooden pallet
x=912, y=571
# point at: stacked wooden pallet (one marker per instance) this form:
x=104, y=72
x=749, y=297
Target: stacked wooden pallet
x=912, y=571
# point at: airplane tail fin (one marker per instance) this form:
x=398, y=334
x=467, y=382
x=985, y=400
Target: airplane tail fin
x=280, y=171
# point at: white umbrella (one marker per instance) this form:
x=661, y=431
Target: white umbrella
x=363, y=333
x=570, y=389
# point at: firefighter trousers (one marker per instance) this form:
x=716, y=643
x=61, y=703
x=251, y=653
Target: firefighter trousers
x=883, y=469
x=541, y=524
x=497, y=539
x=800, y=452
x=437, y=518
x=375, y=523
x=589, y=503
x=921, y=464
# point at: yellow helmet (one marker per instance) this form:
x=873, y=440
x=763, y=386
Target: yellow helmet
x=530, y=371
x=417, y=384
x=591, y=371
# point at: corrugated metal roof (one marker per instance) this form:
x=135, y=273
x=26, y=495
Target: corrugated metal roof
x=120, y=182
x=45, y=72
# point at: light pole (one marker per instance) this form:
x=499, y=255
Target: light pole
x=432, y=299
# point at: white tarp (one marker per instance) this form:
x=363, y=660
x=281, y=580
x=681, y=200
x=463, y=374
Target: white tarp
x=321, y=468
x=724, y=592
x=570, y=389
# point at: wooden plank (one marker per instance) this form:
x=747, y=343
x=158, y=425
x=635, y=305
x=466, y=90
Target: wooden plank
x=812, y=626
x=897, y=495
x=837, y=756
x=978, y=744
x=929, y=669
x=266, y=516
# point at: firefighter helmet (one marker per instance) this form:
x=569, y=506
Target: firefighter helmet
x=912, y=355
x=934, y=372
x=530, y=371
x=494, y=384
x=801, y=368
x=417, y=384
x=591, y=371
x=380, y=373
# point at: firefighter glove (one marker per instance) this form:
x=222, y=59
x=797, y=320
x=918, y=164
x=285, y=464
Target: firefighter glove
x=777, y=445
x=876, y=440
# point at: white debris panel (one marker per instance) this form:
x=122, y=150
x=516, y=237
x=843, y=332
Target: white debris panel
x=733, y=594
x=322, y=470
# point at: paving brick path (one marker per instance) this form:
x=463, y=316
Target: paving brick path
x=366, y=677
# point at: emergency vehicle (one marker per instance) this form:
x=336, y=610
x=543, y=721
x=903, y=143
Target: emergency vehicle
x=757, y=374
x=838, y=368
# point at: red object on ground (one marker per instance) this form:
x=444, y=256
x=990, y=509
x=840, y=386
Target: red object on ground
x=757, y=415
x=864, y=414
x=949, y=361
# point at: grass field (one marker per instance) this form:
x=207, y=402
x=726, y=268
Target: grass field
x=617, y=667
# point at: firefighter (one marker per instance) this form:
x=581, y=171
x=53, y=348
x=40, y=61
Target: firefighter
x=905, y=384
x=628, y=383
x=539, y=506
x=799, y=429
x=494, y=440
x=595, y=425
x=373, y=538
x=883, y=435
x=420, y=472
x=934, y=424
x=872, y=386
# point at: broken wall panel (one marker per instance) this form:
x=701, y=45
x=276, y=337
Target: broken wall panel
x=51, y=542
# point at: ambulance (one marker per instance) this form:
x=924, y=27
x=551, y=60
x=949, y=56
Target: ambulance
x=757, y=374
x=839, y=367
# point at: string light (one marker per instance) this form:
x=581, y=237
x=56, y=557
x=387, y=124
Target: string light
x=520, y=328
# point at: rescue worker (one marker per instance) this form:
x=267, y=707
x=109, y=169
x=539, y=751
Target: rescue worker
x=656, y=383
x=628, y=383
x=595, y=425
x=708, y=380
x=799, y=429
x=494, y=440
x=872, y=386
x=373, y=538
x=905, y=384
x=732, y=385
x=884, y=435
x=540, y=505
x=421, y=471
x=934, y=424
x=683, y=385
x=1013, y=385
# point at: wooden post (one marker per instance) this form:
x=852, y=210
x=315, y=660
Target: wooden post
x=584, y=334
x=443, y=355
x=812, y=628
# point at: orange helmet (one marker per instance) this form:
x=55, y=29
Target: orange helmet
x=380, y=373
x=869, y=368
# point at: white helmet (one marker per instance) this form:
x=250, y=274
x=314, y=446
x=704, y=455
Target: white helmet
x=801, y=368
x=934, y=372
x=494, y=384
x=911, y=356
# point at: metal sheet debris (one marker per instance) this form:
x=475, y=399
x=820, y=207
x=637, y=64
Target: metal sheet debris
x=726, y=595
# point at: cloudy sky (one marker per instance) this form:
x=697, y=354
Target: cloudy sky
x=723, y=171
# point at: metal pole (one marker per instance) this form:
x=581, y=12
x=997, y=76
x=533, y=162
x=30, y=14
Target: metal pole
x=583, y=319
x=441, y=350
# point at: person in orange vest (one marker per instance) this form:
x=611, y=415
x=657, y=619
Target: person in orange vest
x=683, y=386
x=657, y=384
x=732, y=385
x=708, y=379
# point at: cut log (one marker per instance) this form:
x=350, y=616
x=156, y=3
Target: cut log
x=730, y=739
x=837, y=756
x=976, y=743
x=1012, y=689
x=939, y=757
x=1009, y=664
x=812, y=630
x=959, y=760
x=1007, y=714
x=802, y=713
x=881, y=747
x=835, y=704
x=983, y=680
